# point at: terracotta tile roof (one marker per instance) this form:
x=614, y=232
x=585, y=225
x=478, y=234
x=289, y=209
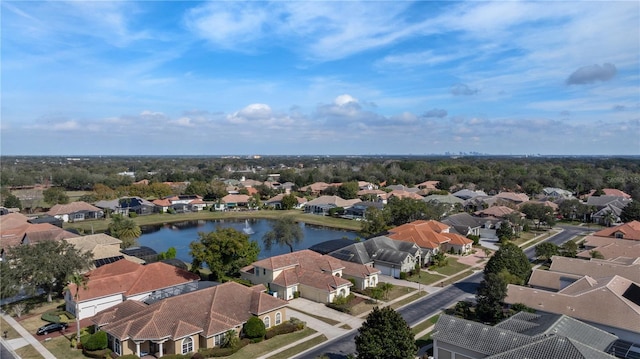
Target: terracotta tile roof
x=208, y=311
x=334, y=200
x=610, y=247
x=251, y=190
x=363, y=192
x=425, y=234
x=165, y=202
x=130, y=278
x=12, y=220
x=236, y=198
x=514, y=197
x=73, y=207
x=431, y=185
x=630, y=230
x=596, y=268
x=610, y=192
x=35, y=233
x=404, y=194
x=457, y=239
x=495, y=211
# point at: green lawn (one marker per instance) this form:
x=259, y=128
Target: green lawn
x=30, y=352
x=426, y=324
x=11, y=332
x=60, y=347
x=155, y=219
x=266, y=346
x=452, y=267
x=426, y=278
x=299, y=348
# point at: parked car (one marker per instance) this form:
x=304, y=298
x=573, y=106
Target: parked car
x=51, y=327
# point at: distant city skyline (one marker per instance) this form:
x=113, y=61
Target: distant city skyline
x=320, y=78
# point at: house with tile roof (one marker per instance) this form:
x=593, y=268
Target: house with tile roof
x=610, y=247
x=524, y=335
x=630, y=230
x=317, y=187
x=114, y=283
x=432, y=237
x=495, y=211
x=276, y=201
x=323, y=204
x=317, y=277
x=15, y=230
x=75, y=211
x=186, y=323
x=389, y=256
x=233, y=201
x=513, y=197
x=104, y=248
x=605, y=293
x=125, y=205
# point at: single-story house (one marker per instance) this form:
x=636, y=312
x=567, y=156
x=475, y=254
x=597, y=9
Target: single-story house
x=232, y=201
x=523, y=335
x=104, y=248
x=75, y=211
x=359, y=210
x=16, y=230
x=276, y=201
x=464, y=223
x=188, y=322
x=323, y=204
x=317, y=277
x=113, y=283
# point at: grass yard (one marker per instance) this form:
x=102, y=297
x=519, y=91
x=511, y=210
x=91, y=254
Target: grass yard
x=452, y=267
x=426, y=278
x=408, y=300
x=300, y=348
x=11, y=332
x=30, y=352
x=266, y=346
x=426, y=324
x=326, y=320
x=60, y=347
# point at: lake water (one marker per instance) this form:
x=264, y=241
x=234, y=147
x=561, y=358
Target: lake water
x=179, y=235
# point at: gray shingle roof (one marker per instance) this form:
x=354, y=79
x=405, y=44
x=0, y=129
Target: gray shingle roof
x=553, y=347
x=379, y=248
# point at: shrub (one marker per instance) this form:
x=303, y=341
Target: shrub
x=97, y=341
x=403, y=275
x=474, y=238
x=298, y=323
x=296, y=294
x=223, y=352
x=284, y=328
x=57, y=316
x=133, y=215
x=176, y=356
x=197, y=356
x=129, y=356
x=100, y=354
x=254, y=328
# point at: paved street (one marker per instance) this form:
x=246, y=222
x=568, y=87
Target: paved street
x=432, y=304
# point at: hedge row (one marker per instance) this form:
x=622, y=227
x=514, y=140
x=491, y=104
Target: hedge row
x=223, y=352
x=57, y=316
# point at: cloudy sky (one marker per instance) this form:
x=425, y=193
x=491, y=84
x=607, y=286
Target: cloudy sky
x=311, y=77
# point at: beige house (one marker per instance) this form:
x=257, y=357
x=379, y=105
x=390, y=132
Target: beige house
x=606, y=293
x=104, y=248
x=314, y=276
x=185, y=323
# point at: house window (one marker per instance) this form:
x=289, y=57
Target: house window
x=217, y=340
x=187, y=345
x=264, y=271
x=78, y=216
x=267, y=322
x=116, y=346
x=278, y=318
x=619, y=235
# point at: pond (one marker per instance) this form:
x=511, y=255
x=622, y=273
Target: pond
x=179, y=235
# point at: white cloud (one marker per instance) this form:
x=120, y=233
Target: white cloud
x=345, y=99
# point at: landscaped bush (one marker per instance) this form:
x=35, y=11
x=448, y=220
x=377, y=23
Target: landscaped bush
x=129, y=356
x=57, y=316
x=254, y=328
x=95, y=341
x=474, y=238
x=284, y=328
x=133, y=215
x=223, y=352
x=404, y=275
x=100, y=354
x=243, y=281
x=176, y=356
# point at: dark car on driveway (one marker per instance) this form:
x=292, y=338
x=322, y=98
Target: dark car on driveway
x=51, y=327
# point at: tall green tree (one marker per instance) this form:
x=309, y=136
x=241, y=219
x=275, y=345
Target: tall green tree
x=124, y=229
x=55, y=195
x=569, y=249
x=375, y=222
x=12, y=201
x=546, y=250
x=289, y=201
x=511, y=258
x=385, y=335
x=348, y=190
x=505, y=232
x=538, y=213
x=79, y=281
x=490, y=297
x=284, y=231
x=224, y=251
x=631, y=212
x=46, y=265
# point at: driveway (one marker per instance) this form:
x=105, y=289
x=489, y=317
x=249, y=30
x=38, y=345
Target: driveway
x=321, y=310
x=488, y=238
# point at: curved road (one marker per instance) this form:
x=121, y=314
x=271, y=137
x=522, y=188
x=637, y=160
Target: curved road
x=430, y=305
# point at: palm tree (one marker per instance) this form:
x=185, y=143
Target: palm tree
x=79, y=281
x=124, y=229
x=284, y=231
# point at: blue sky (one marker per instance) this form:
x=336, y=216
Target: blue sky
x=311, y=77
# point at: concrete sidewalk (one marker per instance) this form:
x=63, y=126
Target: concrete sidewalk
x=26, y=339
